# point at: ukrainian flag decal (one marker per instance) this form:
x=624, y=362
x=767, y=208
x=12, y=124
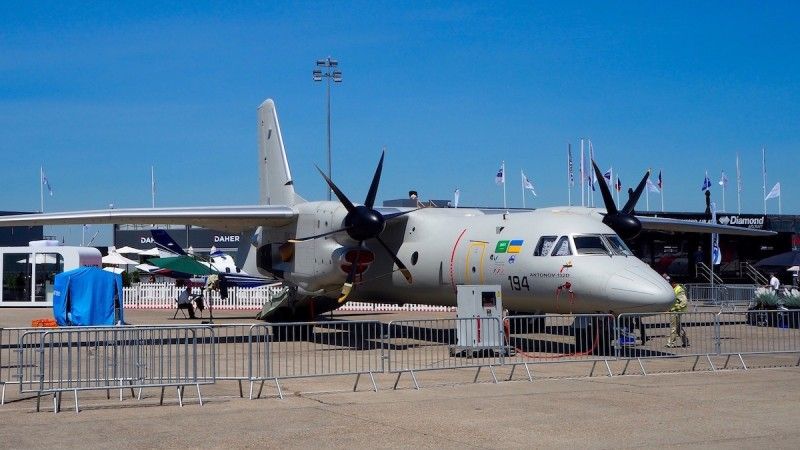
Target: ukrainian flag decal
x=515, y=246
x=502, y=247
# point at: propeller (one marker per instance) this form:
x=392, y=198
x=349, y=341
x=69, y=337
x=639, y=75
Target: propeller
x=361, y=223
x=623, y=221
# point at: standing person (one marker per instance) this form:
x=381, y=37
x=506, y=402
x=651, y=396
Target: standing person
x=774, y=283
x=679, y=307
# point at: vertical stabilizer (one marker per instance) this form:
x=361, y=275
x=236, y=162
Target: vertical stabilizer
x=275, y=180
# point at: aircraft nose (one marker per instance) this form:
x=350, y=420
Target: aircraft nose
x=639, y=289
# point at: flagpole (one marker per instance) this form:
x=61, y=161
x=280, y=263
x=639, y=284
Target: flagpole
x=41, y=189
x=583, y=182
x=569, y=173
x=153, y=184
x=522, y=182
x=724, y=188
x=764, y=176
x=616, y=184
x=591, y=173
x=780, y=211
x=661, y=189
x=738, y=185
x=647, y=196
x=504, y=186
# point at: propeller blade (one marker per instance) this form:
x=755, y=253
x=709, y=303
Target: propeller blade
x=339, y=194
x=389, y=217
x=308, y=238
x=631, y=203
x=351, y=276
x=406, y=273
x=608, y=200
x=373, y=188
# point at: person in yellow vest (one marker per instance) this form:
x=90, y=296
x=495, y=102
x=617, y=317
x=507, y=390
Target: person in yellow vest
x=680, y=306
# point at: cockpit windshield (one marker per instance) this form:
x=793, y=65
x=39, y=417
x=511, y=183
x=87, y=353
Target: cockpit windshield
x=618, y=245
x=590, y=245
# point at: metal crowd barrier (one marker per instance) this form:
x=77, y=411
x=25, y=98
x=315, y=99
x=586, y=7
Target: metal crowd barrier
x=313, y=349
x=732, y=296
x=696, y=334
x=539, y=339
x=420, y=345
x=759, y=332
x=44, y=361
x=60, y=360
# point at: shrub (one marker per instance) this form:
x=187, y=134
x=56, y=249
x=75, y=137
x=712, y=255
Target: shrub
x=766, y=298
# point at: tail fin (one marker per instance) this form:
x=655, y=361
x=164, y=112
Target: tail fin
x=165, y=242
x=275, y=180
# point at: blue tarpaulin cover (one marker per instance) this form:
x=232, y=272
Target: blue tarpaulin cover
x=87, y=296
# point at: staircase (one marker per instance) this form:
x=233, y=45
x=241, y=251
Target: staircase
x=703, y=271
x=753, y=273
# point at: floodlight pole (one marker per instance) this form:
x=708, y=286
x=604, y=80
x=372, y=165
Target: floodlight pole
x=331, y=73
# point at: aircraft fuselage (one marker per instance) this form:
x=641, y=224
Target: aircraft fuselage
x=548, y=260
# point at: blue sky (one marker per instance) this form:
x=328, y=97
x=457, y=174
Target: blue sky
x=98, y=93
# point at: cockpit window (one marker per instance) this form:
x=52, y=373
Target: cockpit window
x=590, y=245
x=618, y=245
x=562, y=247
x=545, y=245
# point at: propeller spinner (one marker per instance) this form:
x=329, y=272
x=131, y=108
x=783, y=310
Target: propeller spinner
x=623, y=221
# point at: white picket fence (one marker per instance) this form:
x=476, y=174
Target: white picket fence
x=164, y=295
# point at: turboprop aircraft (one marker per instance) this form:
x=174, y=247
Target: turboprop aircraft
x=217, y=262
x=559, y=259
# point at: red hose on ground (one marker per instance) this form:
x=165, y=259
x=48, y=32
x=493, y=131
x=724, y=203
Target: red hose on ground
x=507, y=329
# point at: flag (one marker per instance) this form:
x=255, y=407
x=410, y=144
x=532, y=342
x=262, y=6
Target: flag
x=500, y=178
x=526, y=183
x=651, y=187
x=47, y=184
x=456, y=196
x=569, y=166
x=775, y=192
x=660, y=181
x=706, y=183
x=723, y=181
x=619, y=185
x=607, y=175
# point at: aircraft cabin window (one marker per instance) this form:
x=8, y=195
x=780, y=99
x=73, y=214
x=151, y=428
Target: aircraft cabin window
x=618, y=245
x=545, y=245
x=562, y=247
x=590, y=245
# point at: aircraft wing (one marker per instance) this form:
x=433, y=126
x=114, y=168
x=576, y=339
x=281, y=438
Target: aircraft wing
x=227, y=218
x=687, y=226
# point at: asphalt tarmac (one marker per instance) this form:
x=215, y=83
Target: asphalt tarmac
x=730, y=409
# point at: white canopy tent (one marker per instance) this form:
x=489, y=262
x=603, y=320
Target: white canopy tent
x=115, y=259
x=116, y=270
x=126, y=249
